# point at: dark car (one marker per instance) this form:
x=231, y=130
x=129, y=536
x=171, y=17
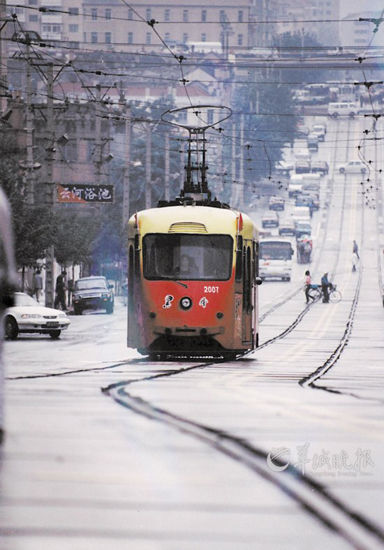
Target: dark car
x=92, y=293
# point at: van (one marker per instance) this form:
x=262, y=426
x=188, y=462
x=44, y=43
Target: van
x=343, y=109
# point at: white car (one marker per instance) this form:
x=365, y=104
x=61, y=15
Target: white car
x=353, y=167
x=27, y=315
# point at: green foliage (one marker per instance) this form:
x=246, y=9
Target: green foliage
x=32, y=224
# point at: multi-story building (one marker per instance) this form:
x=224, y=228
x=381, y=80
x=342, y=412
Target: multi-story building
x=112, y=25
x=316, y=17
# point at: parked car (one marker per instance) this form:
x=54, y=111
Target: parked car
x=270, y=220
x=320, y=167
x=92, y=293
x=28, y=316
x=319, y=130
x=353, y=167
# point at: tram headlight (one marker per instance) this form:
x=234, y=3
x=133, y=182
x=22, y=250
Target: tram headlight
x=185, y=303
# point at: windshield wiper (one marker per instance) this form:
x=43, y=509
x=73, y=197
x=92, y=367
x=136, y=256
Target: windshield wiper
x=174, y=280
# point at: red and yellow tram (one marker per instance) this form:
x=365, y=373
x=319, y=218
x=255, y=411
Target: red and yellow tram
x=192, y=281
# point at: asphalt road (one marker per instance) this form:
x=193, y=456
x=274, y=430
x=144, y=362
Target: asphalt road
x=280, y=449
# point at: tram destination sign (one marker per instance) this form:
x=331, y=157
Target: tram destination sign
x=83, y=193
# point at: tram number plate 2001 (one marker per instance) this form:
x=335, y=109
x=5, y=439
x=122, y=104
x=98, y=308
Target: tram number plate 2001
x=211, y=289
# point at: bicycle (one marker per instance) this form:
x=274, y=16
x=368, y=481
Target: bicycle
x=316, y=292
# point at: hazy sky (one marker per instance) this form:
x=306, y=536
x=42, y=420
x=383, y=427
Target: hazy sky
x=356, y=6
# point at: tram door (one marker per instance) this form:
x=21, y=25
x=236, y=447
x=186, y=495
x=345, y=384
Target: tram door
x=247, y=293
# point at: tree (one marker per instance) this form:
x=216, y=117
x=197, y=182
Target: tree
x=33, y=224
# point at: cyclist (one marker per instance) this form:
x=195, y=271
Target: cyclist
x=325, y=285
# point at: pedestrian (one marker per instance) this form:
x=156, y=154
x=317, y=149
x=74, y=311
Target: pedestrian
x=60, y=291
x=37, y=284
x=8, y=284
x=355, y=261
x=325, y=284
x=308, y=286
x=71, y=284
x=355, y=250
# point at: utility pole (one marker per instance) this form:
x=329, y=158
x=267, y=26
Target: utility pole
x=98, y=142
x=49, y=194
x=148, y=155
x=166, y=168
x=30, y=178
x=241, y=171
x=126, y=176
x=3, y=57
x=234, y=185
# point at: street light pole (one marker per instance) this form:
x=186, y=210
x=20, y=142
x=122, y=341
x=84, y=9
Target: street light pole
x=126, y=178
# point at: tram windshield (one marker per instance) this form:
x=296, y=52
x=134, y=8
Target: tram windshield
x=275, y=250
x=196, y=257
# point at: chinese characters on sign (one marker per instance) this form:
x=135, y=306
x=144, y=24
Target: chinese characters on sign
x=79, y=193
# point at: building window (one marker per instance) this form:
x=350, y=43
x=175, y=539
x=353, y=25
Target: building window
x=148, y=38
x=185, y=16
x=223, y=16
x=108, y=37
x=94, y=37
x=204, y=15
x=130, y=14
x=148, y=13
x=32, y=2
x=167, y=15
x=130, y=38
x=33, y=18
x=185, y=38
x=108, y=13
x=73, y=28
x=239, y=39
x=167, y=36
x=94, y=14
x=203, y=37
x=73, y=11
x=240, y=16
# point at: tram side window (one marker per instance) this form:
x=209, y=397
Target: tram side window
x=239, y=259
x=247, y=281
x=255, y=260
x=131, y=273
x=137, y=257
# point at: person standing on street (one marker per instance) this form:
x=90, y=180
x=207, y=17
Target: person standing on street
x=37, y=284
x=60, y=291
x=308, y=282
x=355, y=250
x=8, y=284
x=355, y=261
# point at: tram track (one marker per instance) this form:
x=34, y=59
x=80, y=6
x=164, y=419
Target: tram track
x=306, y=309
x=312, y=496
